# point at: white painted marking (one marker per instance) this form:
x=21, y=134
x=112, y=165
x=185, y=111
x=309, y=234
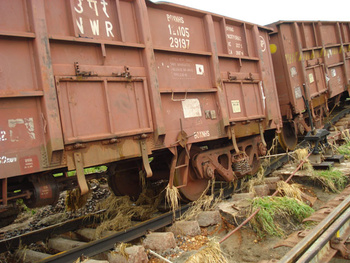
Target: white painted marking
x=109, y=28
x=95, y=27
x=200, y=69
x=236, y=106
x=191, y=108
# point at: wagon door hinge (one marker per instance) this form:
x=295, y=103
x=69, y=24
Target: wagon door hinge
x=83, y=73
x=125, y=74
x=144, y=154
x=79, y=167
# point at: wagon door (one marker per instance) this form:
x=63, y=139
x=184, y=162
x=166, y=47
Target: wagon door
x=247, y=74
x=187, y=84
x=100, y=60
x=100, y=108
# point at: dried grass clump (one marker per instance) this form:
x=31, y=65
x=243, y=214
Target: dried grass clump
x=119, y=210
x=290, y=190
x=271, y=151
x=21, y=253
x=209, y=254
x=258, y=180
x=282, y=208
x=332, y=180
x=300, y=155
x=82, y=259
x=172, y=197
x=74, y=200
x=204, y=203
x=121, y=250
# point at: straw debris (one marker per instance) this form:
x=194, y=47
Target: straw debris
x=204, y=203
x=290, y=190
x=300, y=155
x=121, y=250
x=172, y=197
x=119, y=211
x=74, y=200
x=209, y=254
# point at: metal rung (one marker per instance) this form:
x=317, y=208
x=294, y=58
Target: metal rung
x=181, y=166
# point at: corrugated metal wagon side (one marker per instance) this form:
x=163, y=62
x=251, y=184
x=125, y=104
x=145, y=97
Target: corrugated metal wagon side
x=311, y=60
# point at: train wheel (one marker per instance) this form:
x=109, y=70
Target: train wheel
x=124, y=182
x=287, y=137
x=195, y=187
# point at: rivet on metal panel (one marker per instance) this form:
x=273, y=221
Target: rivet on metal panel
x=79, y=167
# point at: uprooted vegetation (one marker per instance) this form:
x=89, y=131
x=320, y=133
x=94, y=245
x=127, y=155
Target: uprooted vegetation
x=332, y=180
x=345, y=148
x=275, y=211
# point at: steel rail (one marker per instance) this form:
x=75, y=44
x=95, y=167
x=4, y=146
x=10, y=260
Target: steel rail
x=317, y=252
x=37, y=235
x=98, y=246
x=104, y=244
x=297, y=251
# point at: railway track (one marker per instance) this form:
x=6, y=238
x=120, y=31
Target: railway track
x=93, y=248
x=304, y=250
x=328, y=238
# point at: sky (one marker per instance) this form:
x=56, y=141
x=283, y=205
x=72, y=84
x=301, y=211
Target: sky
x=264, y=12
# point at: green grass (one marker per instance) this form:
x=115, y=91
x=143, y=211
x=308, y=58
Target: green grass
x=344, y=150
x=332, y=179
x=96, y=169
x=275, y=211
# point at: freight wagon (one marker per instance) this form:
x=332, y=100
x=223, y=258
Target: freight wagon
x=311, y=61
x=157, y=90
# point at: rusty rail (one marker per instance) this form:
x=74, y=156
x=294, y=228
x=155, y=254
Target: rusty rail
x=313, y=245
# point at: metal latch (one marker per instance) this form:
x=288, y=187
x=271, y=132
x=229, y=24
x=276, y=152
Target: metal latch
x=144, y=154
x=83, y=73
x=125, y=74
x=79, y=167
